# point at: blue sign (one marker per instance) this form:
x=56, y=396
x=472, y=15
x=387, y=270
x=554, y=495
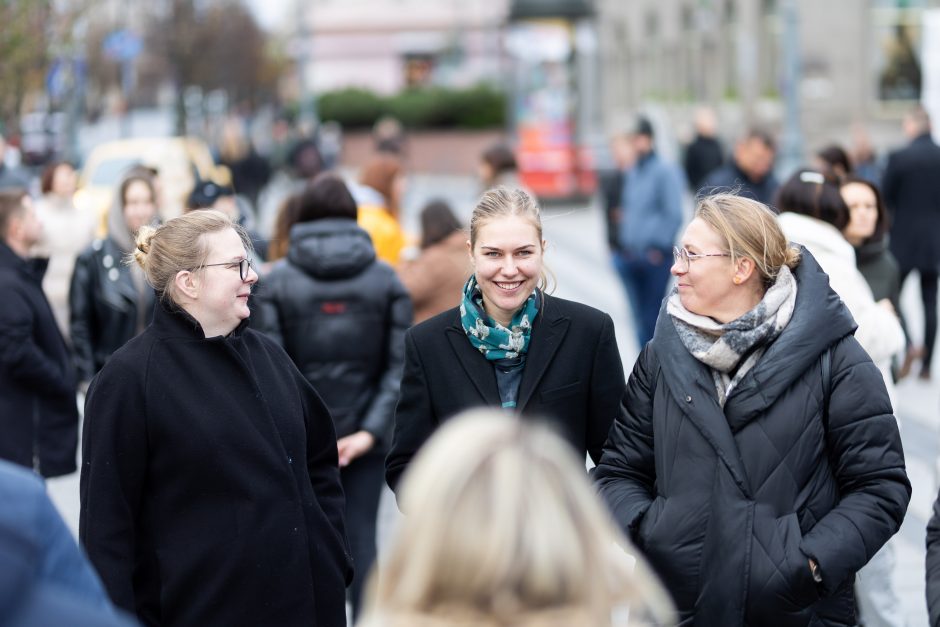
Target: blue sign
x=122, y=45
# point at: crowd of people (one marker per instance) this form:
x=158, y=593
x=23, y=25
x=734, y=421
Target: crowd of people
x=255, y=370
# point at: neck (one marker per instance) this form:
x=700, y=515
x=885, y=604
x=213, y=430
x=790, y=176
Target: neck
x=739, y=306
x=210, y=328
x=18, y=247
x=854, y=241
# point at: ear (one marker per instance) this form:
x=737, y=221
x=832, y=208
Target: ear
x=187, y=284
x=743, y=270
x=470, y=252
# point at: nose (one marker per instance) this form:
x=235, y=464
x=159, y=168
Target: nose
x=676, y=268
x=252, y=276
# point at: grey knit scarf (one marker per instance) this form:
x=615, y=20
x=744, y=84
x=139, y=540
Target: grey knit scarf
x=721, y=347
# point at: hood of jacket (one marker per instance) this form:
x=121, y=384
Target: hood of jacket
x=820, y=319
x=331, y=248
x=821, y=238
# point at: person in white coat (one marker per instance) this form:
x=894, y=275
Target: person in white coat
x=813, y=213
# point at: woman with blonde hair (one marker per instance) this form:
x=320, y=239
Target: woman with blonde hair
x=509, y=344
x=756, y=462
x=503, y=530
x=210, y=493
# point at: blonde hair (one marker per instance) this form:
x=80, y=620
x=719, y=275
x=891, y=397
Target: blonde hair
x=749, y=229
x=500, y=202
x=179, y=244
x=503, y=528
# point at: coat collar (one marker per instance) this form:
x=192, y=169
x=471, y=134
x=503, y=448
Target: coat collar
x=171, y=320
x=33, y=269
x=548, y=331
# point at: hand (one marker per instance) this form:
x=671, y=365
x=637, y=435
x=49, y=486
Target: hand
x=353, y=446
x=885, y=303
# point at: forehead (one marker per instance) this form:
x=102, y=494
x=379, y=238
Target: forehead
x=505, y=231
x=225, y=244
x=699, y=235
x=858, y=190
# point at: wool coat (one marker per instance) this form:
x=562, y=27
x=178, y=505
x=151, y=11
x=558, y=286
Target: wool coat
x=729, y=505
x=210, y=492
x=38, y=414
x=933, y=565
x=572, y=379
x=436, y=278
x=911, y=191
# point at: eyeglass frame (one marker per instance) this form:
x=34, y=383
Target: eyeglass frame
x=683, y=254
x=243, y=266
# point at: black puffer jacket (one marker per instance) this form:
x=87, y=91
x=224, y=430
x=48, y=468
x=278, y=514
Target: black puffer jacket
x=341, y=315
x=728, y=506
x=105, y=308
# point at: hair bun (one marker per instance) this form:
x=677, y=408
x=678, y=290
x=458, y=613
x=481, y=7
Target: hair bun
x=144, y=236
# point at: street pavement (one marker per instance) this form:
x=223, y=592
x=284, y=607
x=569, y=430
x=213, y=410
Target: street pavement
x=578, y=258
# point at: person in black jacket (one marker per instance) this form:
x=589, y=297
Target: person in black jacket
x=38, y=416
x=341, y=315
x=509, y=344
x=750, y=172
x=756, y=461
x=704, y=154
x=911, y=188
x=210, y=492
x=933, y=565
x=109, y=300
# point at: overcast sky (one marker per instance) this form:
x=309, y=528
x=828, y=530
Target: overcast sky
x=270, y=13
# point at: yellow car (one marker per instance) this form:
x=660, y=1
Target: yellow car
x=178, y=160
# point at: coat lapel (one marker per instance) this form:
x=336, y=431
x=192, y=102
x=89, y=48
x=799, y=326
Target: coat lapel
x=547, y=334
x=478, y=369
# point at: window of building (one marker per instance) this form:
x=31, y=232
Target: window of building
x=896, y=45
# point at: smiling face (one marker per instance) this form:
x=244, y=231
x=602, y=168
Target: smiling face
x=863, y=212
x=707, y=287
x=507, y=260
x=222, y=296
x=139, y=207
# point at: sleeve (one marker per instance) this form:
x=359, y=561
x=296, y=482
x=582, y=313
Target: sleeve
x=265, y=316
x=81, y=316
x=420, y=280
x=414, y=417
x=607, y=389
x=867, y=461
x=380, y=413
x=114, y=468
x=672, y=189
x=627, y=471
x=323, y=462
x=879, y=331
x=20, y=356
x=889, y=185
x=933, y=565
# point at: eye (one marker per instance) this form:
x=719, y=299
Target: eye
x=491, y=253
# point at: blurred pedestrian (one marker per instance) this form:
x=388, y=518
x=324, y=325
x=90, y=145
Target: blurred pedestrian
x=833, y=161
x=911, y=188
x=388, y=135
x=509, y=344
x=652, y=215
x=210, y=493
x=67, y=231
x=378, y=195
x=10, y=176
x=38, y=415
x=865, y=162
x=504, y=529
x=211, y=195
x=250, y=171
x=109, y=300
x=287, y=217
x=756, y=462
x=45, y=579
x=341, y=315
x=933, y=565
x=436, y=277
x=303, y=164
x=704, y=154
x=610, y=183
x=813, y=214
x=750, y=173
x=497, y=167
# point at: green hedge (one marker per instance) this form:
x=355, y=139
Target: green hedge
x=476, y=107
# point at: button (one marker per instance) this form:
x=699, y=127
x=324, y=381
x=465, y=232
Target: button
x=113, y=274
x=688, y=399
x=290, y=460
x=108, y=261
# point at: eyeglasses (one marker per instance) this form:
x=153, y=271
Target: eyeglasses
x=243, y=266
x=683, y=257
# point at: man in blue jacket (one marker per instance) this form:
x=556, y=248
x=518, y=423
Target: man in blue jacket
x=652, y=215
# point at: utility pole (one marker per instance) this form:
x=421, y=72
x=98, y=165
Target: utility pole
x=791, y=153
x=308, y=107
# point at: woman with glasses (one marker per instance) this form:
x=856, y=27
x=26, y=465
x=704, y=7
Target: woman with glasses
x=110, y=301
x=756, y=462
x=341, y=315
x=210, y=493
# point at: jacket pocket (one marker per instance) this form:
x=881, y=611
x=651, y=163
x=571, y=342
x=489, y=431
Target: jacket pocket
x=548, y=396
x=648, y=521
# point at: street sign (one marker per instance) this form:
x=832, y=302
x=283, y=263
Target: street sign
x=122, y=45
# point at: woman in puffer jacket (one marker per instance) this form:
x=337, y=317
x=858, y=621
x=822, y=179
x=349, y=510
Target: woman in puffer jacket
x=756, y=462
x=341, y=315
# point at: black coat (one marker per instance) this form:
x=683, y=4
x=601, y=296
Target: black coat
x=702, y=156
x=730, y=178
x=210, y=492
x=728, y=506
x=341, y=315
x=38, y=414
x=933, y=565
x=573, y=379
x=105, y=309
x=911, y=191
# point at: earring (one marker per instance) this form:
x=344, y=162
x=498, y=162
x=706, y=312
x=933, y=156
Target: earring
x=737, y=280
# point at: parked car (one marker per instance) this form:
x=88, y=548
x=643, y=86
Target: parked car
x=180, y=162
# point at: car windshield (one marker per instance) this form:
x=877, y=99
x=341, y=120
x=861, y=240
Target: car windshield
x=109, y=172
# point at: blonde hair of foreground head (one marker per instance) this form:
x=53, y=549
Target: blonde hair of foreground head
x=179, y=244
x=502, y=527
x=749, y=229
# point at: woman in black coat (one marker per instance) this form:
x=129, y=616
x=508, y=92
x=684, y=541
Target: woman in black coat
x=756, y=462
x=509, y=344
x=341, y=315
x=210, y=493
x=110, y=301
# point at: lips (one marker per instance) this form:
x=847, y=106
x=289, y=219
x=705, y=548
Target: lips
x=508, y=286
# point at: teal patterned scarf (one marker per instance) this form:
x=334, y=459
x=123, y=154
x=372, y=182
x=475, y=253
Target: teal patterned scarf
x=495, y=341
